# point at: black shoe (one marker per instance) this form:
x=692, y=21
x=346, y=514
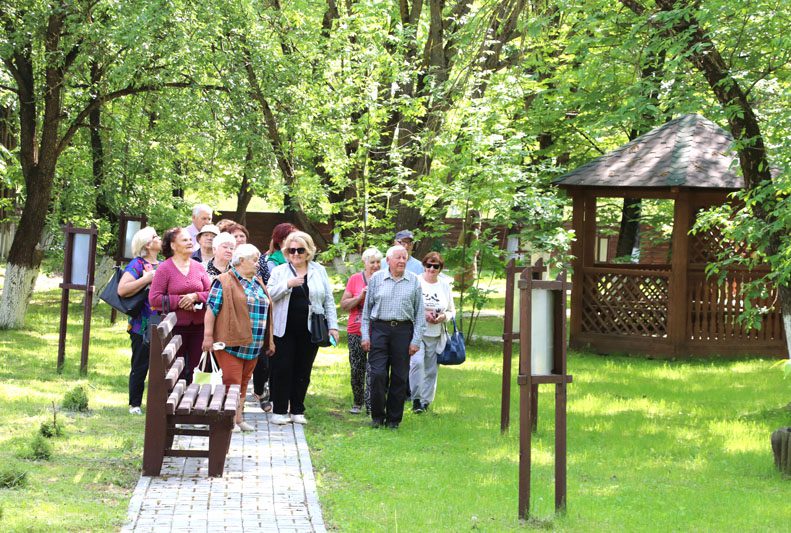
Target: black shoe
x=417, y=407
x=377, y=423
x=392, y=425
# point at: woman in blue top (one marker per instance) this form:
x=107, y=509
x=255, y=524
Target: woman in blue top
x=138, y=275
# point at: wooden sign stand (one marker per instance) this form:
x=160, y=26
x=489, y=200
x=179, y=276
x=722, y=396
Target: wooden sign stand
x=84, y=282
x=548, y=367
x=509, y=336
x=126, y=224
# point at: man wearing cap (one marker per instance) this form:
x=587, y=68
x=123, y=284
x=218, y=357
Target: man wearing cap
x=392, y=327
x=201, y=215
x=406, y=239
x=205, y=238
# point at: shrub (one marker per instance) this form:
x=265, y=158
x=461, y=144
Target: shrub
x=12, y=477
x=39, y=449
x=76, y=399
x=51, y=429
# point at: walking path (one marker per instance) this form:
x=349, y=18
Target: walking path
x=268, y=485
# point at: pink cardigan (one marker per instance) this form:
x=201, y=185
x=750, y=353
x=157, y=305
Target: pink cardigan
x=171, y=282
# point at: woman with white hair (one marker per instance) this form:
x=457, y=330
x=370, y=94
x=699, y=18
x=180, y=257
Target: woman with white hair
x=239, y=308
x=299, y=289
x=353, y=300
x=138, y=275
x=223, y=245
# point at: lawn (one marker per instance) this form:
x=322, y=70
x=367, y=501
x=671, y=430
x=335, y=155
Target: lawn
x=669, y=445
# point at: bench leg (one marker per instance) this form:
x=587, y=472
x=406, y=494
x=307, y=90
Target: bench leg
x=154, y=446
x=170, y=435
x=219, y=442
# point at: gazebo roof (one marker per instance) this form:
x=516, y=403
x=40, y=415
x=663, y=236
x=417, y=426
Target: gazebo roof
x=689, y=151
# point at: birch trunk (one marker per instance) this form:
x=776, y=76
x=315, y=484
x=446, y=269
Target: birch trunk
x=19, y=283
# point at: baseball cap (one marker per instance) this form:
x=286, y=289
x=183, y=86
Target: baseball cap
x=404, y=234
x=209, y=228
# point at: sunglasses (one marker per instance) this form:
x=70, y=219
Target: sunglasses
x=296, y=251
x=405, y=243
x=434, y=266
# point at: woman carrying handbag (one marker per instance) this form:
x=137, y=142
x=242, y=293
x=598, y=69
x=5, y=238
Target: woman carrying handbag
x=302, y=297
x=137, y=276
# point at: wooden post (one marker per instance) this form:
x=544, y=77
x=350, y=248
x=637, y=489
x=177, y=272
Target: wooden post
x=86, y=323
x=678, y=301
x=578, y=224
x=64, y=299
x=525, y=389
x=508, y=343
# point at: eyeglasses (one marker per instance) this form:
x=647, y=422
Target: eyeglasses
x=405, y=243
x=434, y=266
x=296, y=251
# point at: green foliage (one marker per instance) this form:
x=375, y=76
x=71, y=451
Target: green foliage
x=38, y=449
x=12, y=476
x=76, y=399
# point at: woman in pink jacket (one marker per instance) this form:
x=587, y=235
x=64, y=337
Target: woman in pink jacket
x=182, y=285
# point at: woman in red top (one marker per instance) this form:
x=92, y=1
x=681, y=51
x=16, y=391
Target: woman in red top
x=352, y=300
x=182, y=285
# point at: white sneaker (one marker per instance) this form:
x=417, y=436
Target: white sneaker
x=299, y=419
x=135, y=411
x=280, y=419
x=244, y=426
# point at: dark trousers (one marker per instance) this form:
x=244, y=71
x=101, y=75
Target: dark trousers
x=290, y=369
x=139, y=370
x=191, y=347
x=261, y=373
x=389, y=367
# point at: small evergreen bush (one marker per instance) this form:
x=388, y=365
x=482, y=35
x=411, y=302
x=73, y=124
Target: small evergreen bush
x=51, y=429
x=39, y=449
x=76, y=399
x=12, y=477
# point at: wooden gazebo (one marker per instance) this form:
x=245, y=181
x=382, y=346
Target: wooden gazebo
x=671, y=309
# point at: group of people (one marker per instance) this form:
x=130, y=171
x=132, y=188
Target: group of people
x=253, y=311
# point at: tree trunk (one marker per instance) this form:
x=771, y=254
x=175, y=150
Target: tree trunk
x=629, y=234
x=785, y=309
x=245, y=194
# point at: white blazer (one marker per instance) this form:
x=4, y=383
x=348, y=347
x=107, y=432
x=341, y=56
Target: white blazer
x=319, y=289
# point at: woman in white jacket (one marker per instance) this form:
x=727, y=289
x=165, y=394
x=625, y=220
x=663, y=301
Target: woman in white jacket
x=299, y=288
x=439, y=308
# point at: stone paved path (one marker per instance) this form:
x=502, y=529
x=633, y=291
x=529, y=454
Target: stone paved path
x=268, y=485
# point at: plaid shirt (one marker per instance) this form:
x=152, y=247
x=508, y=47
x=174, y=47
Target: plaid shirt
x=257, y=305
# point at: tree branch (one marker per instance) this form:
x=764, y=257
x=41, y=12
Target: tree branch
x=101, y=100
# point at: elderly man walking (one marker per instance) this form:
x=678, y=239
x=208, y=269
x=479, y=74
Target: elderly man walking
x=392, y=327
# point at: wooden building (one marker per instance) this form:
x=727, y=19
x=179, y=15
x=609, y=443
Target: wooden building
x=670, y=309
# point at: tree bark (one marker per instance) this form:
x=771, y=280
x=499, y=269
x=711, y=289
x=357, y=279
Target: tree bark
x=629, y=233
x=245, y=193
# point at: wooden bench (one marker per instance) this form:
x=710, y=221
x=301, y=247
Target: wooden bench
x=171, y=402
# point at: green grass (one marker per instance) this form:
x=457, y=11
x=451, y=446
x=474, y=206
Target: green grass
x=87, y=483
x=652, y=445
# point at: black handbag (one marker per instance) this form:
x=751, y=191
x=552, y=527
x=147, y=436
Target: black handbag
x=319, y=331
x=455, y=352
x=130, y=305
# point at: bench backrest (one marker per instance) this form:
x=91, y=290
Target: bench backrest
x=164, y=366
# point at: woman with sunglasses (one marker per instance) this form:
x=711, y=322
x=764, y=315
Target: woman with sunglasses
x=298, y=289
x=439, y=308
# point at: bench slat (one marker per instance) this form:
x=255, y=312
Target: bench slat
x=170, y=351
x=175, y=396
x=217, y=399
x=204, y=396
x=231, y=399
x=173, y=374
x=165, y=328
x=188, y=400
